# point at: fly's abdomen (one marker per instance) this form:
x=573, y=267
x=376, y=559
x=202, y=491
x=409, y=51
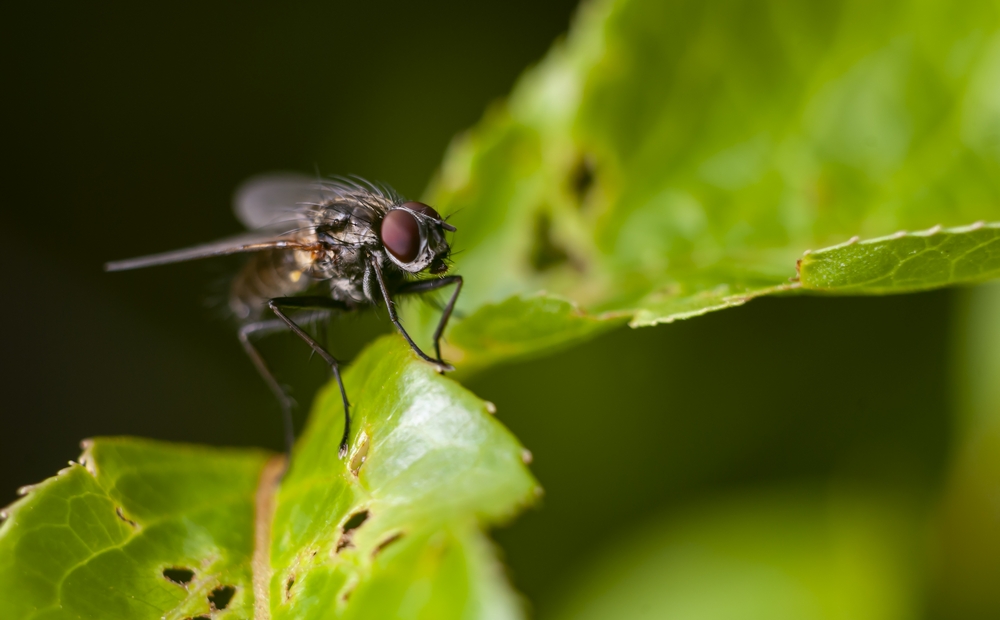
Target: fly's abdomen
x=269, y=274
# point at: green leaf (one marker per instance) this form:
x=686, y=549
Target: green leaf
x=96, y=540
x=906, y=262
x=674, y=158
x=792, y=554
x=429, y=468
x=666, y=160
x=519, y=326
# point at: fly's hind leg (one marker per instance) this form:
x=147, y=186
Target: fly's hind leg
x=276, y=306
x=263, y=328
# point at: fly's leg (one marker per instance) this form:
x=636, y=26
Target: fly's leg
x=422, y=286
x=263, y=328
x=390, y=307
x=276, y=306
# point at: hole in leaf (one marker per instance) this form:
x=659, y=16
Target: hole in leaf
x=581, y=178
x=346, y=591
x=353, y=523
x=356, y=520
x=545, y=252
x=220, y=597
x=385, y=543
x=288, y=586
x=121, y=515
x=200, y=618
x=180, y=576
x=347, y=594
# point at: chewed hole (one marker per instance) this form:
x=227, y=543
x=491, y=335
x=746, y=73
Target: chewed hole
x=121, y=515
x=353, y=523
x=220, y=597
x=288, y=586
x=200, y=618
x=581, y=178
x=546, y=253
x=180, y=576
x=385, y=543
x=356, y=520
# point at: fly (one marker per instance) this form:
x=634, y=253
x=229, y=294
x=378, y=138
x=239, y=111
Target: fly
x=327, y=246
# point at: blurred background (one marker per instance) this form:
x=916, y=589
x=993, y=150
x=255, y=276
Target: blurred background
x=127, y=128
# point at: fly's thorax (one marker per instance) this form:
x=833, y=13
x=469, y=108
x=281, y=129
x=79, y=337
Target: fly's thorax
x=350, y=291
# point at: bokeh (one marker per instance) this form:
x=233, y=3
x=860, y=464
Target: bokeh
x=128, y=126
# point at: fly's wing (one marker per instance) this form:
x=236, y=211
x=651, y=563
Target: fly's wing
x=247, y=242
x=274, y=207
x=277, y=200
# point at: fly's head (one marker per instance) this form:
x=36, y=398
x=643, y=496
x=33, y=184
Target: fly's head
x=413, y=235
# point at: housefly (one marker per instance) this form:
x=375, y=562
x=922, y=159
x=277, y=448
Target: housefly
x=327, y=246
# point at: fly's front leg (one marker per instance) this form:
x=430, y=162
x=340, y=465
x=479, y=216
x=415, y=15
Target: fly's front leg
x=390, y=307
x=422, y=286
x=276, y=306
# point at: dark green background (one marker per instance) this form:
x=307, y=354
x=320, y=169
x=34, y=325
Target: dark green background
x=126, y=129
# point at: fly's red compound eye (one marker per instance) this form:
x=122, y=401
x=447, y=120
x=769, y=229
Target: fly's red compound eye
x=421, y=208
x=401, y=234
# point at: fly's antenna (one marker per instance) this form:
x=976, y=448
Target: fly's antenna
x=453, y=213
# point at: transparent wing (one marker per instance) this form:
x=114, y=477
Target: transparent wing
x=276, y=200
x=247, y=242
